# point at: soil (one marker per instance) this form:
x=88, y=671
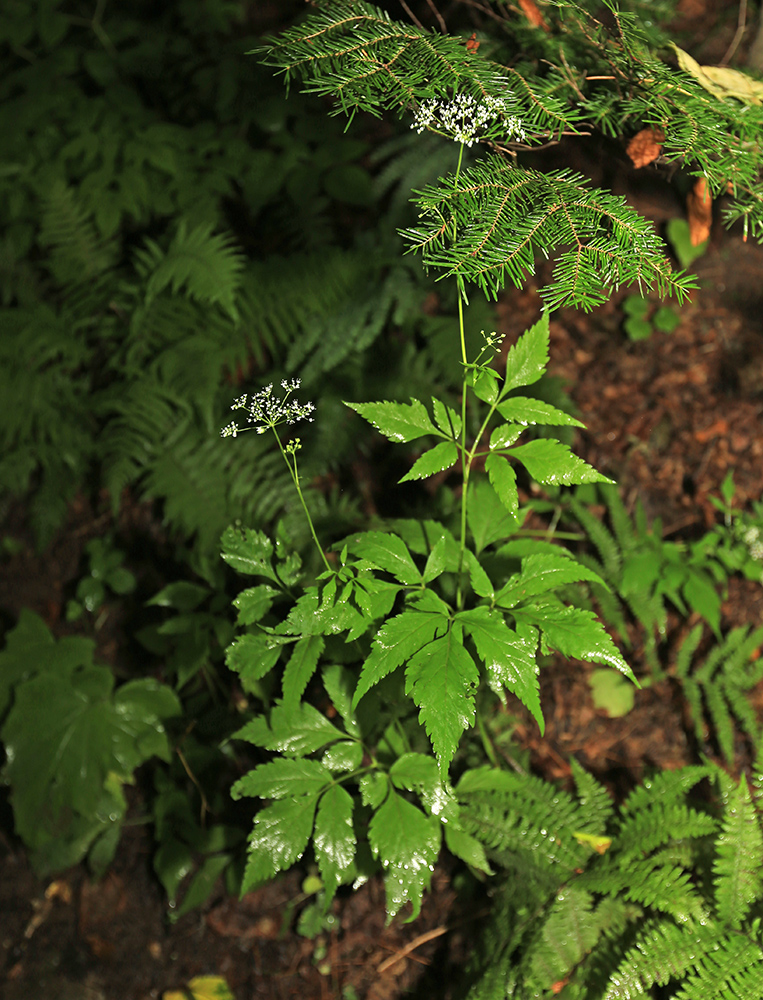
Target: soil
x=667, y=417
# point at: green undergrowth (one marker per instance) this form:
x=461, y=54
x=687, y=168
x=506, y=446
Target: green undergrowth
x=338, y=691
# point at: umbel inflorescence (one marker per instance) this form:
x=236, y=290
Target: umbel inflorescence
x=464, y=118
x=266, y=411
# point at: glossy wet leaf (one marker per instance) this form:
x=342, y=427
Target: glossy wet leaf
x=253, y=655
x=574, y=632
x=541, y=573
x=407, y=843
x=437, y=459
x=386, y=551
x=442, y=678
x=397, y=421
x=525, y=410
x=551, y=462
x=280, y=836
x=527, y=359
x=488, y=519
x=254, y=603
x=248, y=551
x=509, y=658
x=302, y=664
x=396, y=642
x=503, y=479
x=283, y=778
x=334, y=837
x=295, y=730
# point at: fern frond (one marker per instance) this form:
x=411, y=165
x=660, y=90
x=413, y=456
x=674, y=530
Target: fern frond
x=738, y=866
x=78, y=253
x=208, y=266
x=594, y=798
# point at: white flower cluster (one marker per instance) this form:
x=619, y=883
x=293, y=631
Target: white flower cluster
x=267, y=411
x=752, y=539
x=464, y=118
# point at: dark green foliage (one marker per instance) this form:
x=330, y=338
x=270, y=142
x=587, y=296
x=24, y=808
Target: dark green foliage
x=72, y=741
x=602, y=903
x=718, y=686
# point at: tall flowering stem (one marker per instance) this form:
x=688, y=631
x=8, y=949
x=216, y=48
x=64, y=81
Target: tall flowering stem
x=465, y=119
x=267, y=412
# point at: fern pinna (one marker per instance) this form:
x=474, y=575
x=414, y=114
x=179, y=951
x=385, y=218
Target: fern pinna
x=598, y=903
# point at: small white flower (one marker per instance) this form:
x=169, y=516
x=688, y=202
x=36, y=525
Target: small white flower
x=464, y=118
x=266, y=411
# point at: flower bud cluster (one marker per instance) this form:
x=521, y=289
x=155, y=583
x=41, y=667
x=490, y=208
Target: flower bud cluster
x=266, y=411
x=464, y=118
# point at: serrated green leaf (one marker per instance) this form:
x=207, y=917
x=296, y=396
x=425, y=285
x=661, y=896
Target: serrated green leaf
x=397, y=641
x=340, y=683
x=397, y=421
x=253, y=655
x=551, y=462
x=436, y=561
x=374, y=787
x=407, y=843
x=441, y=678
x=446, y=418
x=503, y=479
x=441, y=457
x=254, y=603
x=344, y=756
x=525, y=410
x=280, y=836
x=302, y=664
x=418, y=772
x=509, y=658
x=504, y=436
x=574, y=632
x=488, y=519
x=480, y=581
x=283, y=778
x=386, y=551
x=543, y=572
x=294, y=730
x=314, y=615
x=527, y=359
x=334, y=838
x=248, y=551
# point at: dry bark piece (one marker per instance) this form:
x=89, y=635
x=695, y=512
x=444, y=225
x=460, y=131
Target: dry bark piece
x=699, y=212
x=645, y=146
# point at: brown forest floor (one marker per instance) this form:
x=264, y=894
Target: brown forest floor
x=668, y=418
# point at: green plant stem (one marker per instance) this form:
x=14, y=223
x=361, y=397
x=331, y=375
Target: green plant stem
x=293, y=471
